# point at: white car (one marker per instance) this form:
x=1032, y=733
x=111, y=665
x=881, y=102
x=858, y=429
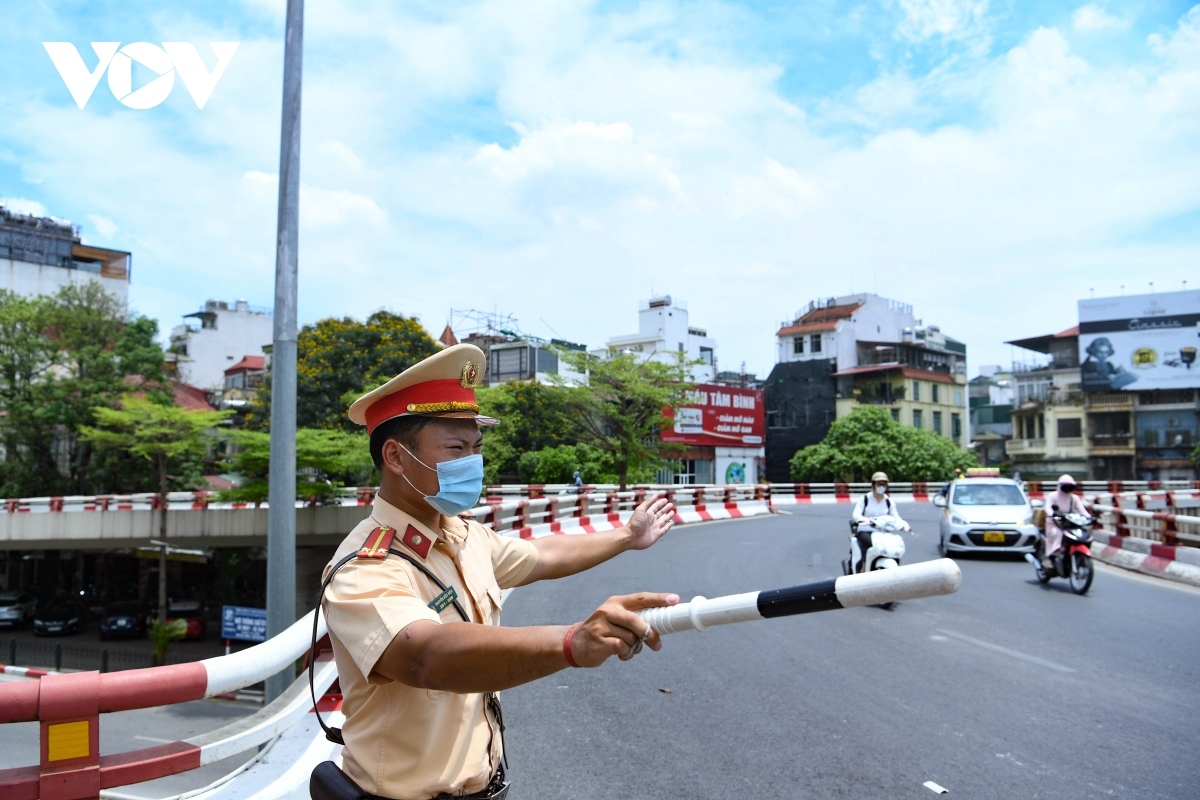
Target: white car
x=16, y=608
x=986, y=515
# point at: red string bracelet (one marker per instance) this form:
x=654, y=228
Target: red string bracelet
x=567, y=646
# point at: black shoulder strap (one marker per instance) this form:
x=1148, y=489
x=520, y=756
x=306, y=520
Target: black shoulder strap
x=335, y=734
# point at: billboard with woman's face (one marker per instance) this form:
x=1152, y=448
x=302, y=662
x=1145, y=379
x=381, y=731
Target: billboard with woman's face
x=1140, y=342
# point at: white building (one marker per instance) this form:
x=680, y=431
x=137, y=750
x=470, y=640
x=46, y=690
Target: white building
x=40, y=255
x=216, y=338
x=664, y=334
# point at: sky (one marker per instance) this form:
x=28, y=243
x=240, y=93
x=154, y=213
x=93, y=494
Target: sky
x=987, y=162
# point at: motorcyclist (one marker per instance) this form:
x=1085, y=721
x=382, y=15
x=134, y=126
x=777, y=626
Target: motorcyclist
x=875, y=503
x=1063, y=501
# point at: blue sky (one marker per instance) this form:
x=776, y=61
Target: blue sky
x=987, y=162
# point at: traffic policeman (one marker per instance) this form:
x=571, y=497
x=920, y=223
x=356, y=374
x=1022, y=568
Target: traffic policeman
x=414, y=613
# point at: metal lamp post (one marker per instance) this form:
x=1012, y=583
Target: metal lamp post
x=281, y=515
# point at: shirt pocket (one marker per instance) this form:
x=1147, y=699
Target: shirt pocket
x=496, y=599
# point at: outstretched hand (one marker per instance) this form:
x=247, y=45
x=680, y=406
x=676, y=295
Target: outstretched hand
x=650, y=521
x=614, y=628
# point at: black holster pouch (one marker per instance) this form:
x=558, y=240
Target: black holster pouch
x=328, y=782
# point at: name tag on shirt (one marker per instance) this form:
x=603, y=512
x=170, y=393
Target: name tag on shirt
x=443, y=600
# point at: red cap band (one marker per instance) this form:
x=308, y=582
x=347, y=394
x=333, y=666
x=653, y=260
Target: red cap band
x=448, y=390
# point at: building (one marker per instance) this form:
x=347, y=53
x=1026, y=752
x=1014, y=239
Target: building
x=242, y=382
x=40, y=255
x=721, y=431
x=990, y=397
x=1048, y=411
x=839, y=354
x=1138, y=365
x=216, y=338
x=664, y=334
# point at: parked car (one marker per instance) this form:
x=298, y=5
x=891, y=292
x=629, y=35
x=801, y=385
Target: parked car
x=989, y=515
x=193, y=612
x=59, y=615
x=17, y=608
x=125, y=619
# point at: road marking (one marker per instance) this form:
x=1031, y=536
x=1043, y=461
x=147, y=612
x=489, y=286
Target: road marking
x=995, y=648
x=155, y=739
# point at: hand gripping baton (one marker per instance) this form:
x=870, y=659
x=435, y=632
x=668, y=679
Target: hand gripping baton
x=924, y=579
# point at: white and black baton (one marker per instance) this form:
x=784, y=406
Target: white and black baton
x=924, y=579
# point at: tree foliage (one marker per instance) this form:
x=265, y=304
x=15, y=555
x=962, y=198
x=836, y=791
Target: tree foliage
x=61, y=358
x=340, y=357
x=533, y=416
x=867, y=440
x=327, y=460
x=620, y=411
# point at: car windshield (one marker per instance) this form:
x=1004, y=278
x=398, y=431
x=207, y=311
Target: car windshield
x=988, y=494
x=123, y=609
x=8, y=597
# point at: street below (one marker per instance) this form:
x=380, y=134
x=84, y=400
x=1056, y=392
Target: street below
x=1005, y=689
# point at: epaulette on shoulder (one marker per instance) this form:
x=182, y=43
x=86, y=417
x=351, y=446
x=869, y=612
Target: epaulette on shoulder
x=377, y=543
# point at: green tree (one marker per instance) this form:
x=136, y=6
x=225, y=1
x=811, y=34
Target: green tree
x=336, y=357
x=532, y=416
x=165, y=436
x=61, y=357
x=163, y=635
x=329, y=459
x=620, y=412
x=867, y=440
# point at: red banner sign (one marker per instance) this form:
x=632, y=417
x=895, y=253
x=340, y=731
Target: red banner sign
x=721, y=416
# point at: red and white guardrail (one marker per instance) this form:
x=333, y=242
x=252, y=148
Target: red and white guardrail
x=68, y=708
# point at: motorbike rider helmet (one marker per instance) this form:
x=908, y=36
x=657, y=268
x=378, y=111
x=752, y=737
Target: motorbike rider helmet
x=878, y=478
x=1067, y=484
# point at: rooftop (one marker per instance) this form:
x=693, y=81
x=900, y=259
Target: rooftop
x=1041, y=344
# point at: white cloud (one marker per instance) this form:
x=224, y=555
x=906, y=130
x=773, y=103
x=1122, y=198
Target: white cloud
x=1094, y=18
x=947, y=19
x=641, y=157
x=22, y=205
x=105, y=227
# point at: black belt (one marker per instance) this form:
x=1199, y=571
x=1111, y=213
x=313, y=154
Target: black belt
x=328, y=782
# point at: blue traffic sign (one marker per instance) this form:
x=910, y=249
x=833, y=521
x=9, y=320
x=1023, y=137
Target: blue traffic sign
x=244, y=624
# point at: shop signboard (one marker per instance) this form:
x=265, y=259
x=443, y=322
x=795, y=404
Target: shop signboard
x=1140, y=342
x=720, y=416
x=243, y=623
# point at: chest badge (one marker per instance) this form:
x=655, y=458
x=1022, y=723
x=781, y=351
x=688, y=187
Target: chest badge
x=377, y=543
x=443, y=600
x=416, y=541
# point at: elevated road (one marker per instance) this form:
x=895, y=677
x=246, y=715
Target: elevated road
x=1006, y=689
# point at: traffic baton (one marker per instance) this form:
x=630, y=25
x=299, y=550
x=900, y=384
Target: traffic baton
x=925, y=579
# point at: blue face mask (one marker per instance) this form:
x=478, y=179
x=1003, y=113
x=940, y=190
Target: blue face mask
x=460, y=482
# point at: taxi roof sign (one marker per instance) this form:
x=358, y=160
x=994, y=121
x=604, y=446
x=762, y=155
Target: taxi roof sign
x=983, y=472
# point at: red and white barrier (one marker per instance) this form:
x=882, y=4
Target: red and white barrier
x=27, y=672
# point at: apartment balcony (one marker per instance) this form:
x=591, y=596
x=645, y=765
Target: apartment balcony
x=1160, y=457
x=1025, y=447
x=1113, y=401
x=1114, y=445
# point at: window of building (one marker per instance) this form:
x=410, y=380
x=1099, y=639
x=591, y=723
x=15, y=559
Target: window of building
x=1041, y=426
x=958, y=397
x=917, y=393
x=956, y=426
x=917, y=422
x=933, y=391
x=937, y=422
x=1070, y=428
x=235, y=381
x=896, y=414
x=208, y=322
x=681, y=347
x=706, y=355
x=816, y=342
x=798, y=345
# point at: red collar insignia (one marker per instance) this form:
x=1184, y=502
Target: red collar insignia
x=416, y=541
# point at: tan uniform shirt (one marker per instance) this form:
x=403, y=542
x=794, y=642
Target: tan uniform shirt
x=402, y=742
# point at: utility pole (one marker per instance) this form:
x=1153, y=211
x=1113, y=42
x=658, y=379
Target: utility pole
x=281, y=515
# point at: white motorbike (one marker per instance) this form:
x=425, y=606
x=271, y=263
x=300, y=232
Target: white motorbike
x=886, y=550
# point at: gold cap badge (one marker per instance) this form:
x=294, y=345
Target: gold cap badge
x=470, y=376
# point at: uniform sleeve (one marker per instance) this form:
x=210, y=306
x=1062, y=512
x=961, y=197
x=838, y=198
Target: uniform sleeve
x=367, y=604
x=512, y=559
